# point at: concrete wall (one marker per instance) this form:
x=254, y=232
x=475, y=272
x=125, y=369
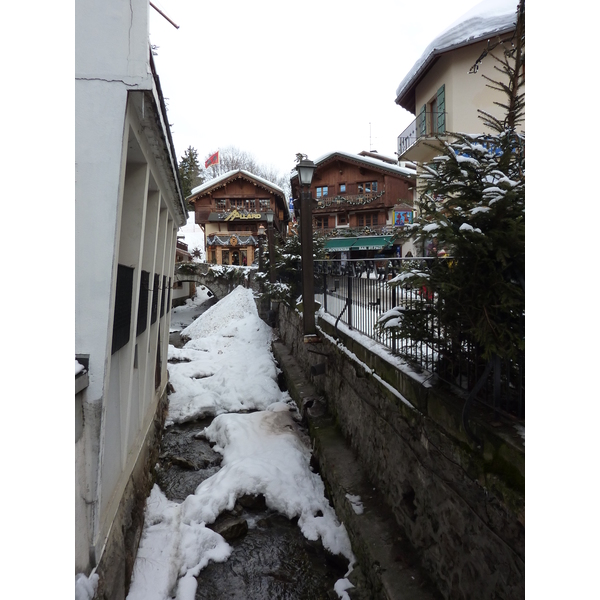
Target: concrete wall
x=462, y=509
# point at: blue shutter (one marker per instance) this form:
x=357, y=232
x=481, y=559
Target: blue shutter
x=441, y=107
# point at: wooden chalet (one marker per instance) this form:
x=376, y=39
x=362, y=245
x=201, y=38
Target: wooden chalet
x=230, y=210
x=361, y=201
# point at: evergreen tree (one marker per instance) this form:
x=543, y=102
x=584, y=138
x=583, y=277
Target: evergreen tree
x=473, y=202
x=288, y=266
x=190, y=171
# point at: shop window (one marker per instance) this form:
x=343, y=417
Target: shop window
x=225, y=257
x=122, y=316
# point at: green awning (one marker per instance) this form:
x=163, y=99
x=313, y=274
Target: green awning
x=340, y=244
x=371, y=242
x=378, y=242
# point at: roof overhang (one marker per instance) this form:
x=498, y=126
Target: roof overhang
x=405, y=95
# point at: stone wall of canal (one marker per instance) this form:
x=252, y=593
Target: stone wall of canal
x=461, y=508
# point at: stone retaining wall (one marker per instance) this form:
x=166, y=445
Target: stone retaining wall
x=461, y=508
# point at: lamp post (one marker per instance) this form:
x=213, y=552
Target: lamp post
x=271, y=246
x=306, y=169
x=261, y=236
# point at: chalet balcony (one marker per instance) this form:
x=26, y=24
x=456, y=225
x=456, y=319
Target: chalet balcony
x=352, y=199
x=426, y=125
x=356, y=231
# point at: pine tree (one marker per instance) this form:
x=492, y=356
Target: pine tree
x=473, y=202
x=190, y=171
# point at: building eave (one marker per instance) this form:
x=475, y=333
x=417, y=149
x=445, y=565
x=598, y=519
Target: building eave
x=405, y=95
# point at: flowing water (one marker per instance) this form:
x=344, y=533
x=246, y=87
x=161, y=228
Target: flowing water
x=271, y=559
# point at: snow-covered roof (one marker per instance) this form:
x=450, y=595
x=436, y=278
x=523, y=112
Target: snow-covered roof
x=212, y=182
x=487, y=18
x=366, y=160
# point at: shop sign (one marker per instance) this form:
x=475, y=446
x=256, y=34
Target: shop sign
x=403, y=217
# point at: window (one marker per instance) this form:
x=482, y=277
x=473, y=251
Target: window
x=366, y=187
x=264, y=205
x=432, y=116
x=220, y=204
x=142, y=316
x=322, y=191
x=154, y=311
x=367, y=219
x=122, y=316
x=322, y=222
x=342, y=220
x=342, y=188
x=169, y=296
x=162, y=295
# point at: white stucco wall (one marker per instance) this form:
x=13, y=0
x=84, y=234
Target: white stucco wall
x=465, y=92
x=126, y=212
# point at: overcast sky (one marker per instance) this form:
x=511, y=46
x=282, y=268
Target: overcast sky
x=275, y=78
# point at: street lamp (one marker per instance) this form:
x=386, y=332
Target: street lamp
x=271, y=246
x=261, y=236
x=306, y=169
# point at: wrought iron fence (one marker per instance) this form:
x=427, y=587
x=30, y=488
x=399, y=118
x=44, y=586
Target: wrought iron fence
x=357, y=293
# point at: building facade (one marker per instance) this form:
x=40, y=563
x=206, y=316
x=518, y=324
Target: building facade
x=361, y=202
x=231, y=209
x=129, y=206
x=447, y=86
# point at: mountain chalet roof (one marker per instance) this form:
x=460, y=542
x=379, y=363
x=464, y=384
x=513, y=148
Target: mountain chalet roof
x=486, y=19
x=361, y=160
x=207, y=185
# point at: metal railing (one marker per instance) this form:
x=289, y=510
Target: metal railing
x=356, y=292
x=426, y=123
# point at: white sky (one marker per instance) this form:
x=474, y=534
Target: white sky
x=232, y=73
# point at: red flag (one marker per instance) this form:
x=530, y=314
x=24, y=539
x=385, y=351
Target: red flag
x=212, y=160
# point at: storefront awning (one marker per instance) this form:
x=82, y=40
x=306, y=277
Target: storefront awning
x=373, y=242
x=339, y=244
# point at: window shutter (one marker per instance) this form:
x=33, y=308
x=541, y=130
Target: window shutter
x=441, y=106
x=422, y=122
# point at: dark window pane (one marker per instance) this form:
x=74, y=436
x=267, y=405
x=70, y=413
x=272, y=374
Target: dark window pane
x=154, y=313
x=122, y=317
x=162, y=295
x=142, y=317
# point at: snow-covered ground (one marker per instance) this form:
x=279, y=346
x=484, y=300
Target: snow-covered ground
x=229, y=367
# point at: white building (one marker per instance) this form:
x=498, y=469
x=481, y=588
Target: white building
x=129, y=206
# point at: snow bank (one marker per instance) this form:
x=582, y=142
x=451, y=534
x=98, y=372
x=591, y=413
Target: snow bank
x=229, y=366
